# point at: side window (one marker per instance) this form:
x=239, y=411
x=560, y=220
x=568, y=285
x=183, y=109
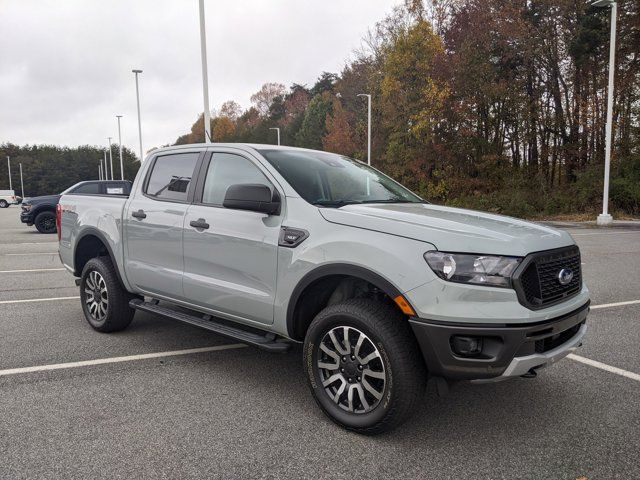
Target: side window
x=227, y=169
x=171, y=176
x=87, y=188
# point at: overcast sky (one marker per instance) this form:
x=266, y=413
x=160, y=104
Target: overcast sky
x=65, y=66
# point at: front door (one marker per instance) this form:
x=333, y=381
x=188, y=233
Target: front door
x=230, y=256
x=153, y=225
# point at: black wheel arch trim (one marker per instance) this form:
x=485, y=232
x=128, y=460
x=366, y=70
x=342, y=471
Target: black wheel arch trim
x=92, y=231
x=345, y=269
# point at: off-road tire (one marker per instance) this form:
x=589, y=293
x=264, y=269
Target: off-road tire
x=118, y=313
x=404, y=366
x=45, y=222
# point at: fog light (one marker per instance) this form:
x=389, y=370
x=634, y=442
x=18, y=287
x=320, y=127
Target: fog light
x=466, y=346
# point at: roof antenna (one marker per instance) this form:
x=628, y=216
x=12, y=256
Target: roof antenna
x=209, y=136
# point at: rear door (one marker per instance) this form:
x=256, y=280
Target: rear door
x=153, y=224
x=230, y=266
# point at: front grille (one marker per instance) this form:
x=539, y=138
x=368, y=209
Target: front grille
x=537, y=283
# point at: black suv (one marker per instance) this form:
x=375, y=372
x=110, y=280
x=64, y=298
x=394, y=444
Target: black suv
x=41, y=211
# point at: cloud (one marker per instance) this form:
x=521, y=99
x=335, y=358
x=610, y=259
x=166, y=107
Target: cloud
x=66, y=66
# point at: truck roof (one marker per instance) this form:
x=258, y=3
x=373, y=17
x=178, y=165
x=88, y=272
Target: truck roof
x=242, y=146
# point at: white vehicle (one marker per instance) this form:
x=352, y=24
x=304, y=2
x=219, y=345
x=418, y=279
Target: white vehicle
x=7, y=197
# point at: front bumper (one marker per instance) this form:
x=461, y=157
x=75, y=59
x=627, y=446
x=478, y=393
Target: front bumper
x=508, y=350
x=26, y=217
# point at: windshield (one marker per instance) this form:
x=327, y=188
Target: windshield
x=331, y=180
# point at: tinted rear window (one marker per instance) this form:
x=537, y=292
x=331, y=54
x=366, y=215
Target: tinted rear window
x=87, y=188
x=171, y=176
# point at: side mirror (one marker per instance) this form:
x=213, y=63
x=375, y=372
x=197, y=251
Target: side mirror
x=253, y=197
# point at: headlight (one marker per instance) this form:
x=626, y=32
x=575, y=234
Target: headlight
x=26, y=208
x=488, y=270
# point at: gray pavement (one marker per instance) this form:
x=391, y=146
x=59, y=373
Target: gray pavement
x=242, y=413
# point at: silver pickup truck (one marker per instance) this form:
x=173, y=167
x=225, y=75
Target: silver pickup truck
x=276, y=245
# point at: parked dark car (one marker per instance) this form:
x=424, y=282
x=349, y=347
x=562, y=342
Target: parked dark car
x=41, y=211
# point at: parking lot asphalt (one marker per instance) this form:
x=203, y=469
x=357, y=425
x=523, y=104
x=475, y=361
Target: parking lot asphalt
x=242, y=413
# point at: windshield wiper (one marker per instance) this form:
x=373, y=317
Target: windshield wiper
x=389, y=200
x=335, y=203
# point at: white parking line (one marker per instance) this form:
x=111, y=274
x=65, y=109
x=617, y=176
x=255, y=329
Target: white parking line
x=603, y=233
x=616, y=304
x=32, y=243
x=29, y=254
x=33, y=270
x=129, y=358
x=604, y=366
x=28, y=300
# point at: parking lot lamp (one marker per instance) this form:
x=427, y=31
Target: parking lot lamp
x=21, y=183
x=9, y=166
x=605, y=218
x=205, y=75
x=136, y=72
x=120, y=148
x=110, y=157
x=368, y=125
x=278, y=131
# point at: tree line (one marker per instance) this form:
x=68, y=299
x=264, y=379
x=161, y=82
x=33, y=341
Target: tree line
x=50, y=169
x=492, y=104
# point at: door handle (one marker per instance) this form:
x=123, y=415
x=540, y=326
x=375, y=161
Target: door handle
x=139, y=214
x=201, y=223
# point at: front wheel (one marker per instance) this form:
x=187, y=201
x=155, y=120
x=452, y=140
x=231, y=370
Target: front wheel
x=45, y=222
x=4, y=203
x=364, y=366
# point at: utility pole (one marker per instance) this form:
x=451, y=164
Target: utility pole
x=100, y=170
x=120, y=147
x=105, y=175
x=136, y=72
x=205, y=76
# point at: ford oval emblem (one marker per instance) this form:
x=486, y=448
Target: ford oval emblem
x=565, y=276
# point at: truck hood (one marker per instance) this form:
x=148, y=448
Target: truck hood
x=42, y=199
x=451, y=229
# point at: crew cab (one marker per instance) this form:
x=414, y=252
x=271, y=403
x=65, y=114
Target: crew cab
x=273, y=245
x=41, y=211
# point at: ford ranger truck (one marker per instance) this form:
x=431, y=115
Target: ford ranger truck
x=273, y=245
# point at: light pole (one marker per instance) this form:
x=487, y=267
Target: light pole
x=120, y=148
x=105, y=172
x=110, y=157
x=100, y=170
x=136, y=72
x=368, y=125
x=9, y=166
x=604, y=218
x=205, y=76
x=277, y=129
x=21, y=182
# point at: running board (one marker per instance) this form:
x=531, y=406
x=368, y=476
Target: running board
x=207, y=322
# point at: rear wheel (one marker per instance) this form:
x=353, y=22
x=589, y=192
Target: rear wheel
x=45, y=222
x=105, y=302
x=363, y=365
x=4, y=203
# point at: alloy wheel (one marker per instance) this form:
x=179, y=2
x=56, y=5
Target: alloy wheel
x=96, y=295
x=351, y=369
